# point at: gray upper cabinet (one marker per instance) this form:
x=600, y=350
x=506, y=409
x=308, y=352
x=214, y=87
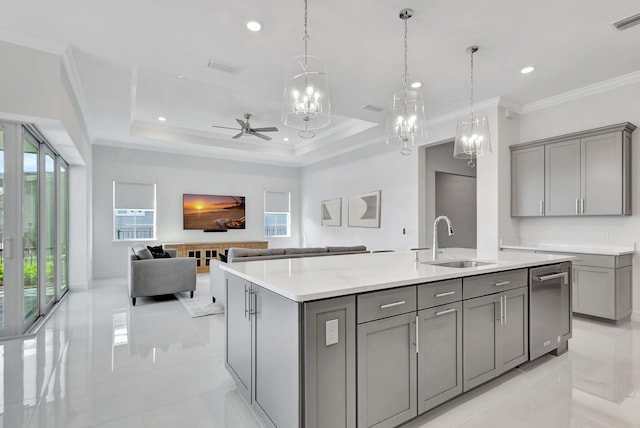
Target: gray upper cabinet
x=562, y=178
x=527, y=182
x=585, y=173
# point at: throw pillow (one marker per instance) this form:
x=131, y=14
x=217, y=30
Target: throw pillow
x=143, y=253
x=163, y=255
x=157, y=250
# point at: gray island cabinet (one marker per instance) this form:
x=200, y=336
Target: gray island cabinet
x=372, y=356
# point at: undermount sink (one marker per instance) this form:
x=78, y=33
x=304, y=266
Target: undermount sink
x=458, y=263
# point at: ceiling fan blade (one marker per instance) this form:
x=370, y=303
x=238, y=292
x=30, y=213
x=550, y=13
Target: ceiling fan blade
x=264, y=137
x=224, y=127
x=238, y=135
x=268, y=129
x=242, y=124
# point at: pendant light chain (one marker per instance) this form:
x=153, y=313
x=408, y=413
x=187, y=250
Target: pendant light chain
x=473, y=49
x=405, y=57
x=306, y=33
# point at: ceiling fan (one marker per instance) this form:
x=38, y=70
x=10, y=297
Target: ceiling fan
x=246, y=129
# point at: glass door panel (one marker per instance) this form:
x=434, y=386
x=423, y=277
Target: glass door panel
x=64, y=222
x=1, y=228
x=48, y=230
x=30, y=229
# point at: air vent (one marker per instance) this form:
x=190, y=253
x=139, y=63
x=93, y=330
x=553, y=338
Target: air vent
x=623, y=24
x=221, y=66
x=373, y=108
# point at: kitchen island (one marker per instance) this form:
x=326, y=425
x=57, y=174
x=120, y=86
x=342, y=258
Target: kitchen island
x=375, y=339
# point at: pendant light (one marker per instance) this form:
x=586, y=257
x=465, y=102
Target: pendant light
x=472, y=135
x=305, y=101
x=405, y=124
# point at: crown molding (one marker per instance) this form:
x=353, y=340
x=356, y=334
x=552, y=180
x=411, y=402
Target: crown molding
x=585, y=91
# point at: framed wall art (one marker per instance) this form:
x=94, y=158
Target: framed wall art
x=364, y=210
x=331, y=212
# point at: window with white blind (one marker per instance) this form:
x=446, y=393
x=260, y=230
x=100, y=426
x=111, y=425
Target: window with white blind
x=134, y=211
x=277, y=207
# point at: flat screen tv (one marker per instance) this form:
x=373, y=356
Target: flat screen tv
x=212, y=212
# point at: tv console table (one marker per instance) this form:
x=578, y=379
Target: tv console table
x=203, y=252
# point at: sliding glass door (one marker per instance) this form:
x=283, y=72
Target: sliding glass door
x=63, y=222
x=30, y=224
x=48, y=225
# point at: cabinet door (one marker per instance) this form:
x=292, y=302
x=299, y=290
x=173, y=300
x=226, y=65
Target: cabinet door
x=527, y=182
x=601, y=175
x=480, y=319
x=562, y=178
x=276, y=376
x=513, y=335
x=439, y=355
x=387, y=371
x=624, y=284
x=594, y=291
x=238, y=340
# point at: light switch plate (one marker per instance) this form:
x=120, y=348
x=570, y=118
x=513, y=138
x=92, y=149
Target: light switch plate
x=331, y=332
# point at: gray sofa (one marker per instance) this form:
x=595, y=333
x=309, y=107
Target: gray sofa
x=216, y=275
x=153, y=277
x=250, y=254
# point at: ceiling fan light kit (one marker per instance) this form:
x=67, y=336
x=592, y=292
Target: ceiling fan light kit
x=405, y=123
x=305, y=101
x=472, y=134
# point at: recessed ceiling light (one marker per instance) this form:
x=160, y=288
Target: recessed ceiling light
x=162, y=118
x=254, y=26
x=527, y=69
x=416, y=85
x=180, y=76
x=285, y=139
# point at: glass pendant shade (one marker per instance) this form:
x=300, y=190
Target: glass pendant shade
x=472, y=138
x=405, y=124
x=305, y=100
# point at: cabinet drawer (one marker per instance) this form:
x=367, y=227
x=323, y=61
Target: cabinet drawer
x=490, y=283
x=439, y=293
x=386, y=303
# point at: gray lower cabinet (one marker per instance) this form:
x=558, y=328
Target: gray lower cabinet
x=238, y=338
x=263, y=351
x=387, y=371
x=495, y=335
x=330, y=365
x=439, y=355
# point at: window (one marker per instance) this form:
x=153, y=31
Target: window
x=276, y=214
x=134, y=211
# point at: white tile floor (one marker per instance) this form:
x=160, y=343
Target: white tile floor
x=101, y=362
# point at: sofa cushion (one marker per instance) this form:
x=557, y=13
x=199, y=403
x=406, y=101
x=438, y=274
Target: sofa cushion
x=304, y=250
x=143, y=253
x=235, y=253
x=346, y=249
x=158, y=252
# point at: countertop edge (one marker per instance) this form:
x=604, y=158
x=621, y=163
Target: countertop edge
x=578, y=250
x=447, y=273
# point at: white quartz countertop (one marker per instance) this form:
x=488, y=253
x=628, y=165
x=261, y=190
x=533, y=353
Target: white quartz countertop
x=313, y=278
x=602, y=251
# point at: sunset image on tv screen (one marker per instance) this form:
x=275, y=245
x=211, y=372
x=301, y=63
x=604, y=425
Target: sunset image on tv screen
x=212, y=212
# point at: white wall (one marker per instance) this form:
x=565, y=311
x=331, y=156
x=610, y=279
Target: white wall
x=173, y=176
x=377, y=167
x=611, y=107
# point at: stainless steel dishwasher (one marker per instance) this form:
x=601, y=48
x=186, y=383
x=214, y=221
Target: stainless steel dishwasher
x=549, y=309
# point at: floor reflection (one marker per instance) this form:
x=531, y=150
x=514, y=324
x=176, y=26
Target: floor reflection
x=100, y=362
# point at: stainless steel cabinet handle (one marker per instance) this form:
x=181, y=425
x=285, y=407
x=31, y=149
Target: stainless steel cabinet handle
x=246, y=311
x=448, y=293
x=253, y=303
x=447, y=311
x=500, y=310
x=563, y=275
x=541, y=207
x=582, y=206
x=577, y=206
x=501, y=283
x=505, y=308
x=417, y=334
x=389, y=305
